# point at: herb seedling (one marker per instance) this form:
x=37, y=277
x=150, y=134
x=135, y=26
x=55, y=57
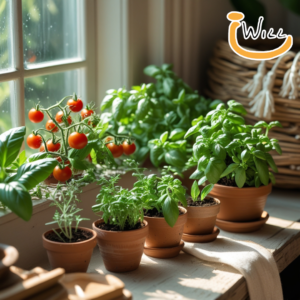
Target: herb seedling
x=195, y=191
x=65, y=200
x=162, y=193
x=120, y=206
x=227, y=148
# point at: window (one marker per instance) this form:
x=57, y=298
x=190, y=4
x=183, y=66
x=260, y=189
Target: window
x=46, y=52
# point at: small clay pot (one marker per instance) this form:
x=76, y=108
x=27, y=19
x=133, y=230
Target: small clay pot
x=73, y=257
x=201, y=220
x=161, y=235
x=241, y=204
x=121, y=250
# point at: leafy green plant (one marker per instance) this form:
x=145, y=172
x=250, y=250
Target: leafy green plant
x=228, y=149
x=65, y=199
x=162, y=193
x=18, y=175
x=195, y=191
x=149, y=110
x=119, y=206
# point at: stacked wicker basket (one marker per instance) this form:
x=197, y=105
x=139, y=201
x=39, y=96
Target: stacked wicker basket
x=233, y=77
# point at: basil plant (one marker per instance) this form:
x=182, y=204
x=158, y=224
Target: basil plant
x=18, y=174
x=227, y=149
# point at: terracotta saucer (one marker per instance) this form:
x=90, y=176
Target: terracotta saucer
x=243, y=227
x=164, y=252
x=198, y=238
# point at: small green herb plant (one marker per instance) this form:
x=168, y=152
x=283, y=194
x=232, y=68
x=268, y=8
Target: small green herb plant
x=119, y=206
x=162, y=193
x=65, y=199
x=227, y=148
x=160, y=113
x=195, y=191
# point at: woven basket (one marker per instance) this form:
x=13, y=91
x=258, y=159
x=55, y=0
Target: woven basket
x=265, y=89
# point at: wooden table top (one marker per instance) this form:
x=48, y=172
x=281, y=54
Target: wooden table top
x=186, y=277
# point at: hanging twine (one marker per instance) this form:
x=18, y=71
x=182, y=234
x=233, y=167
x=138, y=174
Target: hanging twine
x=290, y=81
x=255, y=85
x=263, y=103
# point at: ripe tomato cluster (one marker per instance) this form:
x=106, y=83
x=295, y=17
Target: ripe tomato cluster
x=117, y=150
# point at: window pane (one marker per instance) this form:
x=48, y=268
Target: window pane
x=5, y=36
x=51, y=30
x=49, y=89
x=5, y=106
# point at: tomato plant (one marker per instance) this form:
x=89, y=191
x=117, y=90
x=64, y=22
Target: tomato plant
x=77, y=140
x=34, y=141
x=129, y=148
x=51, y=126
x=230, y=152
x=116, y=150
x=35, y=115
x=62, y=174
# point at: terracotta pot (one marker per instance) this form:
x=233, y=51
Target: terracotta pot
x=121, y=250
x=238, y=205
x=8, y=256
x=73, y=257
x=201, y=220
x=161, y=235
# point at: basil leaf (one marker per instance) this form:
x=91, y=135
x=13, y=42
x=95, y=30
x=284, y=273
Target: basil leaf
x=229, y=170
x=117, y=108
x=31, y=174
x=107, y=102
x=10, y=144
x=155, y=153
x=177, y=134
x=245, y=155
x=277, y=148
x=170, y=211
x=206, y=190
x=15, y=196
x=164, y=136
x=175, y=158
x=271, y=162
x=197, y=174
x=80, y=164
x=240, y=177
x=214, y=170
x=261, y=124
x=152, y=70
x=235, y=119
x=202, y=180
x=259, y=154
x=219, y=151
x=192, y=131
x=195, y=192
x=169, y=88
x=262, y=169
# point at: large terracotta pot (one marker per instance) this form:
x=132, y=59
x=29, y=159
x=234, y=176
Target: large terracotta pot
x=201, y=220
x=238, y=205
x=161, y=235
x=121, y=250
x=73, y=257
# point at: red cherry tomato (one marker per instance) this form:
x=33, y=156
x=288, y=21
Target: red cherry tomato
x=75, y=105
x=62, y=175
x=86, y=113
x=35, y=116
x=42, y=148
x=59, y=119
x=116, y=150
x=52, y=147
x=128, y=148
x=77, y=140
x=50, y=125
x=34, y=141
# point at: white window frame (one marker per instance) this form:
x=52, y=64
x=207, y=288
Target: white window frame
x=18, y=73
